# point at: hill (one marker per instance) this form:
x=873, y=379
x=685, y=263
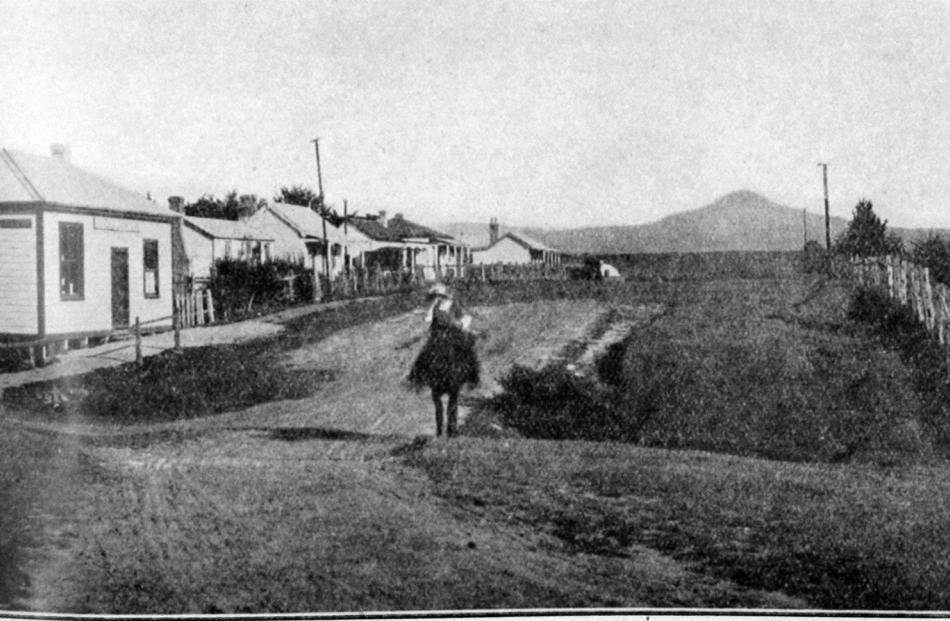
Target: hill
x=742, y=220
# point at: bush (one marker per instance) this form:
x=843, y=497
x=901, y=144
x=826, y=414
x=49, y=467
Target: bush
x=898, y=327
x=934, y=253
x=238, y=285
x=814, y=258
x=556, y=404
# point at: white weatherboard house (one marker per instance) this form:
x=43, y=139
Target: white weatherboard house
x=514, y=248
x=298, y=235
x=209, y=239
x=79, y=256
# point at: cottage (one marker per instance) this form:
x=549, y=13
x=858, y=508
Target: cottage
x=516, y=248
x=401, y=244
x=79, y=256
x=206, y=240
x=298, y=235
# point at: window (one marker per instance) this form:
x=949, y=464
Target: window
x=150, y=266
x=70, y=261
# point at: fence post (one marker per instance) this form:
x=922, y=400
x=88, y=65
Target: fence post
x=138, y=341
x=176, y=326
x=210, y=306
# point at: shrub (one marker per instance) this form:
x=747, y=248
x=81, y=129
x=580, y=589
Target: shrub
x=814, y=258
x=934, y=252
x=238, y=285
x=898, y=327
x=556, y=404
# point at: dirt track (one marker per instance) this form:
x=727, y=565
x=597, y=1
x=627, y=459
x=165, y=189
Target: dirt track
x=293, y=504
x=309, y=505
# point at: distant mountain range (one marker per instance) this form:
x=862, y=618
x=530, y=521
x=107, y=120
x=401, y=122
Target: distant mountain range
x=742, y=220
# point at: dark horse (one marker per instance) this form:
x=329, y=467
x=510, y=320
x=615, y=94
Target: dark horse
x=447, y=361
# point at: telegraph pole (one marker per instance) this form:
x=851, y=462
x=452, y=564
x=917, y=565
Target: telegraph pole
x=316, y=147
x=326, y=246
x=824, y=170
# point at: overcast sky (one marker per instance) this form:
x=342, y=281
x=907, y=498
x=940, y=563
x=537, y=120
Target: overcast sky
x=555, y=113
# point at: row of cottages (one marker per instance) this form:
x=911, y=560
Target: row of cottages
x=79, y=256
x=401, y=244
x=359, y=242
x=516, y=248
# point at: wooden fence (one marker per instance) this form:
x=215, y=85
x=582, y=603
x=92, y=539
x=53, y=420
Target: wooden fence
x=195, y=308
x=910, y=285
x=358, y=283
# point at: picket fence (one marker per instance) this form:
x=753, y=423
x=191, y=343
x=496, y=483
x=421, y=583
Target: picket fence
x=911, y=285
x=194, y=308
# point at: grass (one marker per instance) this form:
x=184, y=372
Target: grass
x=837, y=536
x=771, y=368
x=817, y=476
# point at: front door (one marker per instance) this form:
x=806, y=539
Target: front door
x=120, y=288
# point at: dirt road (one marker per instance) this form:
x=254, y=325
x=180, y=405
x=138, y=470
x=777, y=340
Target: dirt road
x=308, y=504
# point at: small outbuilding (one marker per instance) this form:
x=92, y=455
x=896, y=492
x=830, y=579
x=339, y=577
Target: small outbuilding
x=79, y=256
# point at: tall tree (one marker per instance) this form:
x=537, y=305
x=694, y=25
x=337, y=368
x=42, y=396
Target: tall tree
x=866, y=235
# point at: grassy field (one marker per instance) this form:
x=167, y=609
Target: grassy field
x=781, y=452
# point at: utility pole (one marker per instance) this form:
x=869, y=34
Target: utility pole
x=326, y=246
x=824, y=169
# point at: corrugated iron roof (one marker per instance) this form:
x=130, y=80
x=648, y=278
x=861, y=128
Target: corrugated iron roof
x=530, y=242
x=305, y=221
x=27, y=178
x=227, y=229
x=398, y=229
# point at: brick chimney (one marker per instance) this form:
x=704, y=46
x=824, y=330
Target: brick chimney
x=176, y=204
x=61, y=152
x=382, y=218
x=492, y=231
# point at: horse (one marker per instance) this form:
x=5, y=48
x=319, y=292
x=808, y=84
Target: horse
x=447, y=361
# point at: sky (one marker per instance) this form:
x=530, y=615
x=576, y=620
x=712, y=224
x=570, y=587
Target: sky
x=555, y=113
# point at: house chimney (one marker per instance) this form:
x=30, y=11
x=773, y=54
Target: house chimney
x=247, y=204
x=382, y=218
x=492, y=231
x=62, y=152
x=176, y=204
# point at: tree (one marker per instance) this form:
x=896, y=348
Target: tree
x=866, y=235
x=297, y=195
x=934, y=252
x=232, y=207
x=306, y=197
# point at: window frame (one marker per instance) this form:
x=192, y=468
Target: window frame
x=157, y=293
x=72, y=261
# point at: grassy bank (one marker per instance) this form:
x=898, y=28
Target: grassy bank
x=773, y=368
